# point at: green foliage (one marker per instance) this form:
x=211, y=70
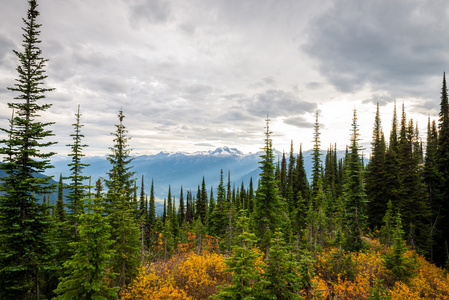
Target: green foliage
x=281, y=276
x=125, y=231
x=243, y=265
x=316, y=159
x=88, y=277
x=25, y=246
x=375, y=176
x=354, y=194
x=413, y=199
x=378, y=292
x=267, y=204
x=441, y=207
x=77, y=188
x=401, y=267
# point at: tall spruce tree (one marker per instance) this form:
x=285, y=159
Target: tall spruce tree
x=142, y=208
x=87, y=273
x=77, y=187
x=442, y=205
x=25, y=246
x=281, y=276
x=120, y=185
x=267, y=203
x=413, y=200
x=392, y=176
x=59, y=210
x=375, y=176
x=316, y=158
x=182, y=208
x=432, y=179
x=243, y=264
x=302, y=188
x=354, y=193
x=219, y=217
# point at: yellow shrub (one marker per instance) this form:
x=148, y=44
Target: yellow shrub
x=149, y=286
x=199, y=275
x=188, y=277
x=430, y=281
x=401, y=291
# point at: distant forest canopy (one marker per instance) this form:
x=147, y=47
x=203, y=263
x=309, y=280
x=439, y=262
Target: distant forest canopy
x=282, y=235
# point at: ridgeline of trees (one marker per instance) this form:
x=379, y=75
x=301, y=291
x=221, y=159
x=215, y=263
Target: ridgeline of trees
x=342, y=236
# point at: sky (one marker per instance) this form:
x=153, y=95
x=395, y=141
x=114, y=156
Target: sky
x=194, y=75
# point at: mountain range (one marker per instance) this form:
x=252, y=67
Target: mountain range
x=184, y=169
x=181, y=169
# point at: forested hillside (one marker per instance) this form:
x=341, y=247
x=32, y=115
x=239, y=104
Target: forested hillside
x=353, y=231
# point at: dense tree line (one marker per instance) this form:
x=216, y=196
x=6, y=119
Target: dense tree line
x=89, y=244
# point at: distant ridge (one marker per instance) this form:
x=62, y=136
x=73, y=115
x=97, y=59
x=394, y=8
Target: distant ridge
x=186, y=169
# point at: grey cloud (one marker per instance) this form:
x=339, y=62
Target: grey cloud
x=152, y=11
x=379, y=98
x=390, y=45
x=268, y=81
x=299, y=121
x=108, y=84
x=278, y=103
x=314, y=85
x=425, y=107
x=6, y=46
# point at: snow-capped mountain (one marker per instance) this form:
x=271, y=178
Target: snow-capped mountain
x=187, y=169
x=176, y=169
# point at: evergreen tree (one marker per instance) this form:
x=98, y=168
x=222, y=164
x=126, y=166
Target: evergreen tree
x=219, y=215
x=25, y=246
x=387, y=229
x=87, y=269
x=182, y=207
x=316, y=158
x=413, y=200
x=392, y=176
x=142, y=209
x=202, y=211
x=375, y=176
x=432, y=180
x=120, y=160
x=281, y=276
x=125, y=231
x=354, y=194
x=151, y=217
x=401, y=267
x=76, y=187
x=210, y=209
x=442, y=206
x=301, y=191
x=283, y=177
x=267, y=204
x=60, y=211
x=169, y=211
x=331, y=171
x=243, y=265
x=250, y=196
x=242, y=199
x=190, y=211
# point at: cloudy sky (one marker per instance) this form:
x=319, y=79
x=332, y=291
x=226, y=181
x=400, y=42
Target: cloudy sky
x=193, y=75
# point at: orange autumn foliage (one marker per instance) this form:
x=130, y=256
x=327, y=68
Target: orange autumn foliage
x=149, y=286
x=429, y=282
x=355, y=276
x=338, y=275
x=186, y=276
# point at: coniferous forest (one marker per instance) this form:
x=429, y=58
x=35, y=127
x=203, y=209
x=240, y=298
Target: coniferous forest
x=354, y=231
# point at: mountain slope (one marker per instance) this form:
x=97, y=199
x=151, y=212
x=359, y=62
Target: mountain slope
x=186, y=169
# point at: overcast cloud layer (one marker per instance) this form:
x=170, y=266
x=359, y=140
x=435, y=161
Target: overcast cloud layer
x=198, y=74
